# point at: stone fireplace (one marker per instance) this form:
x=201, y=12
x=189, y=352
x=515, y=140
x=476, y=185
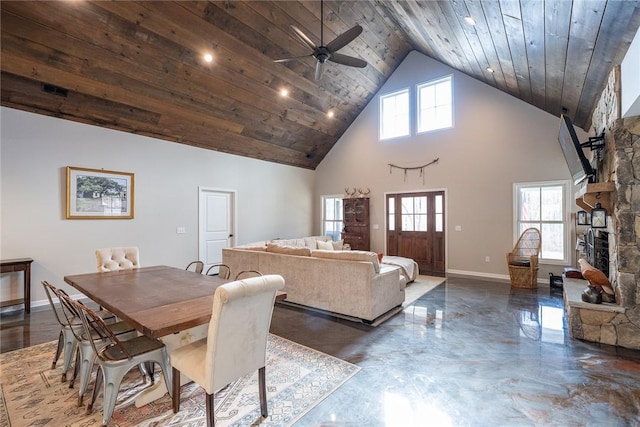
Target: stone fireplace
x=617, y=324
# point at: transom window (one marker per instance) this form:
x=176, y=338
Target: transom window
x=544, y=206
x=435, y=105
x=394, y=114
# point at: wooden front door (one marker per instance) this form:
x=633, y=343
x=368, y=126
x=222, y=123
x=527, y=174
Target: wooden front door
x=415, y=229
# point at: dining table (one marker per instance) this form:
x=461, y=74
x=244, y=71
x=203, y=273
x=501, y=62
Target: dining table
x=168, y=303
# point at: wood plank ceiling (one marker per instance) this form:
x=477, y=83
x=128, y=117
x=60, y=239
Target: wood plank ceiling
x=138, y=66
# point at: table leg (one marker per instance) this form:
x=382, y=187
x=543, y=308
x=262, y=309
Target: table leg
x=27, y=288
x=172, y=342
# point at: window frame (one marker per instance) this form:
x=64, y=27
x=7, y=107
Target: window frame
x=323, y=202
x=381, y=118
x=566, y=209
x=418, y=116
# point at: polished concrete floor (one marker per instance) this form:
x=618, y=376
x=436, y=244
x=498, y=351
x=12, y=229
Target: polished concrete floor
x=468, y=353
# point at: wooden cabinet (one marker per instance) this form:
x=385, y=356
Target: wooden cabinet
x=355, y=230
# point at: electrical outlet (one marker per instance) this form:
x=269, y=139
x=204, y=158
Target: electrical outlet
x=487, y=259
x=458, y=228
x=180, y=230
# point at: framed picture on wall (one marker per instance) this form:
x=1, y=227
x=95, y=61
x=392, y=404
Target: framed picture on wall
x=99, y=194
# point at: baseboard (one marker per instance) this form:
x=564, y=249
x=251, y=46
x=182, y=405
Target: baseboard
x=39, y=304
x=486, y=276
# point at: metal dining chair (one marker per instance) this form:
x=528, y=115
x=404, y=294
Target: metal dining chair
x=198, y=266
x=247, y=273
x=67, y=340
x=117, y=357
x=86, y=356
x=223, y=272
x=236, y=343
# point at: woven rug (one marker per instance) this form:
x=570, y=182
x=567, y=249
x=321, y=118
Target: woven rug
x=298, y=378
x=419, y=287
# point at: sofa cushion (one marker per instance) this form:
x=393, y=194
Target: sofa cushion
x=288, y=250
x=252, y=248
x=310, y=241
x=298, y=243
x=371, y=257
x=325, y=246
x=337, y=245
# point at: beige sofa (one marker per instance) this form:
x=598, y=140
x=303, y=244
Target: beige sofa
x=351, y=284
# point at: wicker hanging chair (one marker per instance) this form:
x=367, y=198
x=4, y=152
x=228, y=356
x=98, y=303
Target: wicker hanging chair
x=523, y=260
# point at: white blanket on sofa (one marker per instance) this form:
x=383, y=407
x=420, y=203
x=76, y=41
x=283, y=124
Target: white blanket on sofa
x=409, y=266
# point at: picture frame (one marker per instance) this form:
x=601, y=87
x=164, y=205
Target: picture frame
x=583, y=218
x=99, y=194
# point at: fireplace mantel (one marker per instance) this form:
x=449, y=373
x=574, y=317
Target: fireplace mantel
x=590, y=194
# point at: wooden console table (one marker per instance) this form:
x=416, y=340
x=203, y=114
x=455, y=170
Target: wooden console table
x=19, y=264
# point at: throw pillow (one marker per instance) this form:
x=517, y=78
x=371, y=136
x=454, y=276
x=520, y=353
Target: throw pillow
x=327, y=246
x=337, y=245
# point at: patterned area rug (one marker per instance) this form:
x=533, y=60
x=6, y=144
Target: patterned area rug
x=419, y=287
x=298, y=378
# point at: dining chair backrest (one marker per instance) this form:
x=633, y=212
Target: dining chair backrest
x=119, y=258
x=245, y=274
x=197, y=266
x=238, y=330
x=95, y=327
x=221, y=270
x=58, y=311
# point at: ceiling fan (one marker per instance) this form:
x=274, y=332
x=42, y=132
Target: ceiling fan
x=323, y=53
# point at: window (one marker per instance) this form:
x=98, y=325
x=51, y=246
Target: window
x=332, y=216
x=414, y=213
x=544, y=206
x=435, y=105
x=394, y=114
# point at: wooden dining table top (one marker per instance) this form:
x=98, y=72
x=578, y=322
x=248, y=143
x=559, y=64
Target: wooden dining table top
x=157, y=301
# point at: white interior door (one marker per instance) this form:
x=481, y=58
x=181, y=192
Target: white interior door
x=216, y=224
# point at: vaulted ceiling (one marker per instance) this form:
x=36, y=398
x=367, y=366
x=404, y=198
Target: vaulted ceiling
x=138, y=66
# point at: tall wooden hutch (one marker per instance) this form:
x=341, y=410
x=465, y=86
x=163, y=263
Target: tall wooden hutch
x=356, y=230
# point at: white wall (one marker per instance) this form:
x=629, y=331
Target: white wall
x=497, y=140
x=630, y=76
x=272, y=200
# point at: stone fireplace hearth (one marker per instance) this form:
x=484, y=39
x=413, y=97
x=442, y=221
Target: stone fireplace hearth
x=617, y=324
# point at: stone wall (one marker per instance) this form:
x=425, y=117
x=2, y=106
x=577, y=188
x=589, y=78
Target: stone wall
x=621, y=165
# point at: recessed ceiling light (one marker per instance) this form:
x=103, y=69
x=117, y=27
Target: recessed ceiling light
x=470, y=20
x=208, y=57
x=284, y=92
x=489, y=69
x=330, y=113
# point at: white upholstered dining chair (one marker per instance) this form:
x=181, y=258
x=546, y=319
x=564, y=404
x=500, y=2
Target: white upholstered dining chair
x=119, y=258
x=236, y=343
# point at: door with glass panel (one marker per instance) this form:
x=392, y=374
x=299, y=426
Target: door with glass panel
x=415, y=229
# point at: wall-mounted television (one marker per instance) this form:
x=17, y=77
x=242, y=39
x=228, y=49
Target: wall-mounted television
x=578, y=163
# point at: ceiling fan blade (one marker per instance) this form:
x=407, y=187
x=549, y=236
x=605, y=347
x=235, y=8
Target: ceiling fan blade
x=344, y=39
x=292, y=58
x=319, y=70
x=303, y=37
x=347, y=60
